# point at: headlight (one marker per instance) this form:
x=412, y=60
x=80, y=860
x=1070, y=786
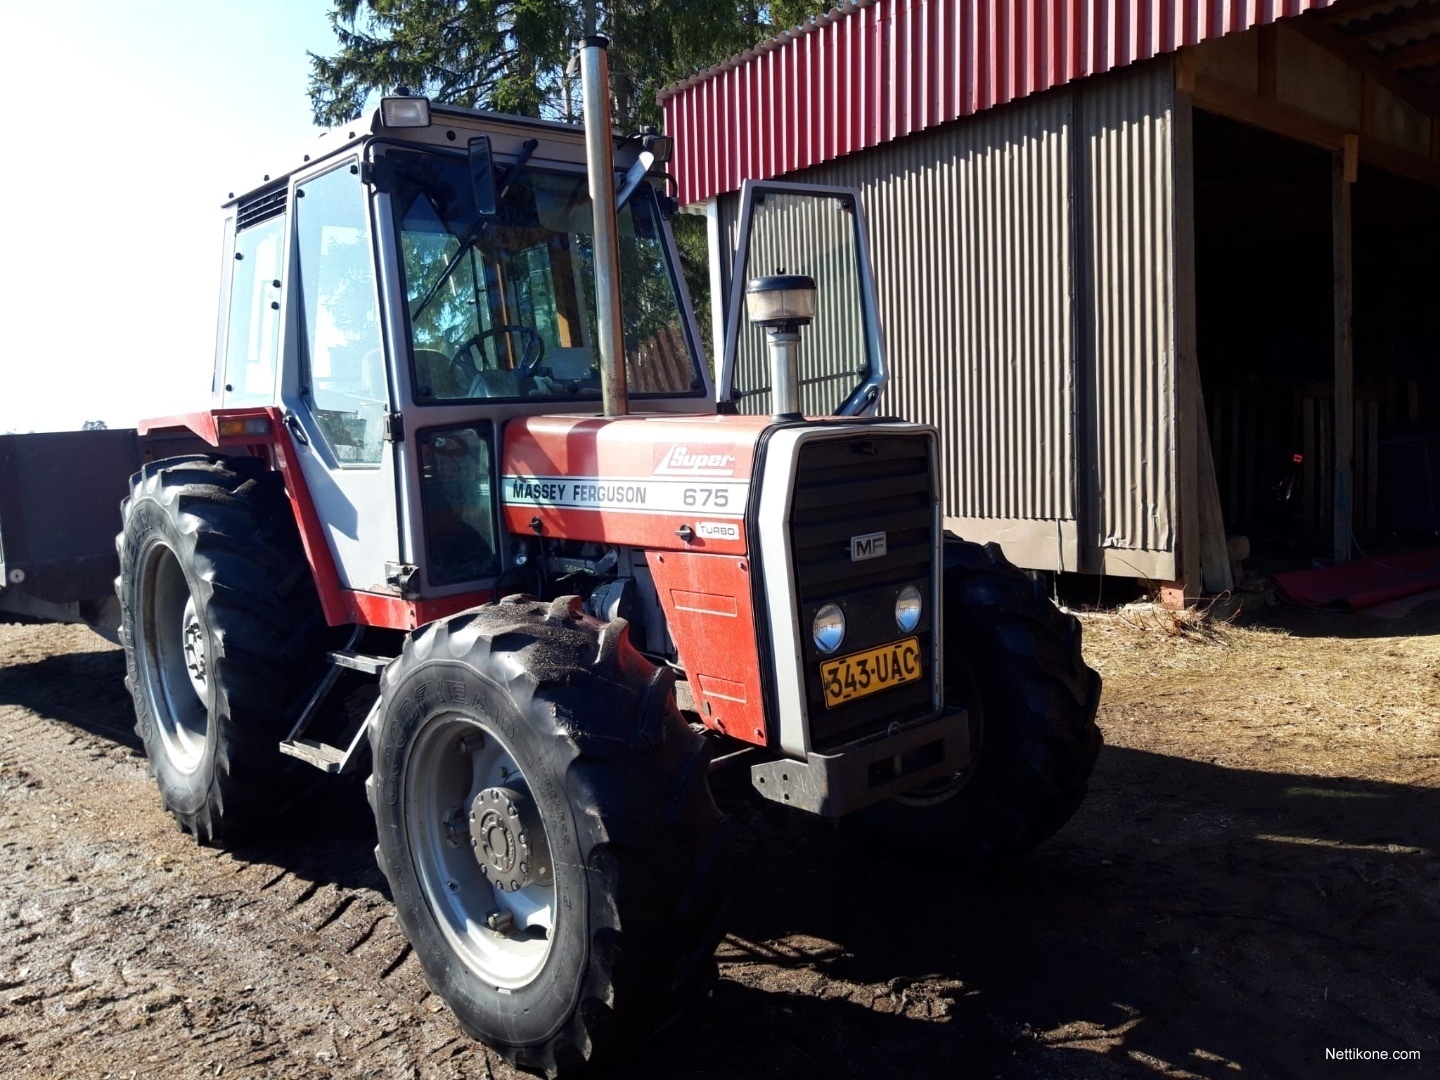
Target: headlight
x=907, y=609
x=828, y=628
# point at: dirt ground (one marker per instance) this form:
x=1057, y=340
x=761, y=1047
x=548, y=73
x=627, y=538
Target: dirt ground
x=1252, y=880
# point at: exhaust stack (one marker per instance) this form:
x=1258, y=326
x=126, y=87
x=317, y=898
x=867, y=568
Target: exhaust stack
x=600, y=156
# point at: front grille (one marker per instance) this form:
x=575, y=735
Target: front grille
x=852, y=487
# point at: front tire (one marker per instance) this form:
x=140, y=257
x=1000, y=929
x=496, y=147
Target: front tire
x=1013, y=660
x=545, y=822
x=222, y=633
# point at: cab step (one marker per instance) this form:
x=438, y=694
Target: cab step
x=327, y=758
x=301, y=743
x=371, y=665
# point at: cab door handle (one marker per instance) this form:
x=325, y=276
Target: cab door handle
x=296, y=429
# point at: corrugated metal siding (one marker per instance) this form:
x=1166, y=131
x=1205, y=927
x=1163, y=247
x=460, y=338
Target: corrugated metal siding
x=1127, y=342
x=970, y=237
x=1024, y=272
x=870, y=72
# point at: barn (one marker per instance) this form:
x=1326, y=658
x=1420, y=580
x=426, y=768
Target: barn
x=1163, y=273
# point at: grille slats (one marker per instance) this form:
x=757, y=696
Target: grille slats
x=841, y=493
x=902, y=522
x=852, y=487
x=261, y=207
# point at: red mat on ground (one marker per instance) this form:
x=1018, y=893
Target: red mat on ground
x=1363, y=583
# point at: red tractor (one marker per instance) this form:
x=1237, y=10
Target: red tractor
x=423, y=529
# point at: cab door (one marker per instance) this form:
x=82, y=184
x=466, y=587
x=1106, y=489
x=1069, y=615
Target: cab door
x=336, y=392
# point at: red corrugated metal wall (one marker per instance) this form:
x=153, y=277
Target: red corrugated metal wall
x=873, y=71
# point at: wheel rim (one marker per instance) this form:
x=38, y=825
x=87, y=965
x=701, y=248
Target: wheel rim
x=192, y=644
x=479, y=848
x=174, y=660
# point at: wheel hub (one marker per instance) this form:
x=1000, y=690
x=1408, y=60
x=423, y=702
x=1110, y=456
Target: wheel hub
x=508, y=839
x=192, y=645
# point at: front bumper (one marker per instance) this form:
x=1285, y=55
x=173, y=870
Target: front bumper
x=870, y=770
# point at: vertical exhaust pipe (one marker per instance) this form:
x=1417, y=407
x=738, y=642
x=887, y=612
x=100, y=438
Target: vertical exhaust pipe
x=600, y=158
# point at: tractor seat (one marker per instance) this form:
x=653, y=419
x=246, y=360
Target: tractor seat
x=434, y=372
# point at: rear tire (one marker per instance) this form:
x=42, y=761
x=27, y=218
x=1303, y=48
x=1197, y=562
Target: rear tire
x=1013, y=659
x=222, y=633
x=615, y=901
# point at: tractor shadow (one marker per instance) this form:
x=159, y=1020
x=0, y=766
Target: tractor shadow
x=328, y=834
x=84, y=690
x=1190, y=920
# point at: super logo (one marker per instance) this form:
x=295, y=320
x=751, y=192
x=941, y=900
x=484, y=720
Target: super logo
x=700, y=461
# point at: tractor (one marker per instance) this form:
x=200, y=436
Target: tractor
x=470, y=510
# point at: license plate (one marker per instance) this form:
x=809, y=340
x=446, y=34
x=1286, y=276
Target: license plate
x=863, y=673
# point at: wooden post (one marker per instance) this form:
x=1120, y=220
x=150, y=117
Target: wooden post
x=1188, y=585
x=1342, y=174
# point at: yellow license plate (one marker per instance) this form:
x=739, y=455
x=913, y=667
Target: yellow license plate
x=863, y=673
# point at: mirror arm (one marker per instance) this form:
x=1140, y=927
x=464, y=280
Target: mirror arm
x=634, y=178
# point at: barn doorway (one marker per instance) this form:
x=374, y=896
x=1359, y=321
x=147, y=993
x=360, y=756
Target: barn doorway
x=1265, y=333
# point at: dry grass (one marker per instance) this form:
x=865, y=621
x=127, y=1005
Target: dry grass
x=1304, y=692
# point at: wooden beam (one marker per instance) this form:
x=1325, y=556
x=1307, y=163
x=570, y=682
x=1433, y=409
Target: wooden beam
x=1269, y=63
x=1216, y=96
x=1350, y=11
x=1189, y=417
x=1375, y=25
x=1340, y=226
x=1368, y=61
x=1185, y=71
x=1421, y=54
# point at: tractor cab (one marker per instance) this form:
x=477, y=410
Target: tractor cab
x=406, y=292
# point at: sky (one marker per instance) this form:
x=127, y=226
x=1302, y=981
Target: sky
x=129, y=122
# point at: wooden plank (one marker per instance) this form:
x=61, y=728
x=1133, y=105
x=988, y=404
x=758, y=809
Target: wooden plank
x=1236, y=413
x=1214, y=552
x=1340, y=230
x=1252, y=424
x=1308, y=406
x=1372, y=466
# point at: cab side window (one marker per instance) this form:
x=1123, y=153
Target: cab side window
x=253, y=336
x=342, y=362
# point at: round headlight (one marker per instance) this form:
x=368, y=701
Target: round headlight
x=907, y=609
x=828, y=628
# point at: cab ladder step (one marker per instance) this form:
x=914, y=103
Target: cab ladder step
x=324, y=756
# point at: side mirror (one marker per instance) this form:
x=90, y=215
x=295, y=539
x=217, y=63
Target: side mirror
x=654, y=149
x=482, y=175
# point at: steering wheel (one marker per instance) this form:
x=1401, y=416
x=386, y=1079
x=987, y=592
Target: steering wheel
x=530, y=354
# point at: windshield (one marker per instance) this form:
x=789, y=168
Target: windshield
x=504, y=307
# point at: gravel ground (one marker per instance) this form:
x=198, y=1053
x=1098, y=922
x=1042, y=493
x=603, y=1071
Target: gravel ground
x=1253, y=880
